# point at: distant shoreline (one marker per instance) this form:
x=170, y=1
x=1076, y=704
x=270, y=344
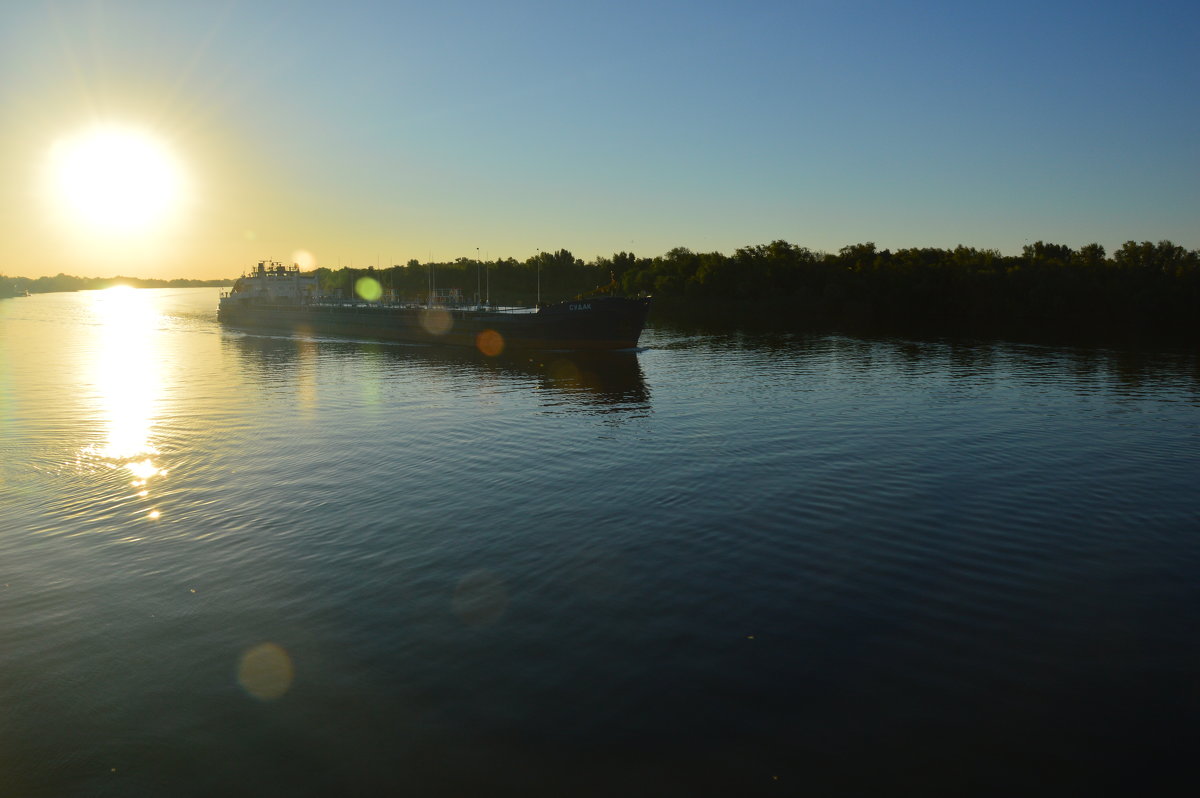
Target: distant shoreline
x=18, y=286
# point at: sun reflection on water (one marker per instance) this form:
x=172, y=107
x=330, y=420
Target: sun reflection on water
x=127, y=377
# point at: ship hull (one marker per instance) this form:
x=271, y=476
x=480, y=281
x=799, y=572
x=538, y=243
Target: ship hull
x=603, y=323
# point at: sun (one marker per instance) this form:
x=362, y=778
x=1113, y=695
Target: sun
x=115, y=180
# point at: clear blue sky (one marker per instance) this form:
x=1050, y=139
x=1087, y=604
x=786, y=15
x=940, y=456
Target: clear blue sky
x=366, y=132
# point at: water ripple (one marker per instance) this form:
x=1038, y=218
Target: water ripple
x=722, y=556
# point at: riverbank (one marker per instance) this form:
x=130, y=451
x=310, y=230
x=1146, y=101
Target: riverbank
x=853, y=316
x=20, y=286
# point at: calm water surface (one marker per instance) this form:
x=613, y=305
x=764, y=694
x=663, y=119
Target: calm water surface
x=723, y=564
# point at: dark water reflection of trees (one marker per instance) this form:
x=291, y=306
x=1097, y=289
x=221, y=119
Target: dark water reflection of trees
x=1146, y=365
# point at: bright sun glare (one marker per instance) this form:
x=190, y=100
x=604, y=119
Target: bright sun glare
x=115, y=179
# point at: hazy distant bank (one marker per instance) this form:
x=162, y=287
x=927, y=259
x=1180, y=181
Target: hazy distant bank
x=17, y=286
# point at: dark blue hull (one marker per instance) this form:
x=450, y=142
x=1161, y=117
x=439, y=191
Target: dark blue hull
x=602, y=323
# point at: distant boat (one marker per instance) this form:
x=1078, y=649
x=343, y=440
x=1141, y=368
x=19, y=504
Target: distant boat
x=279, y=298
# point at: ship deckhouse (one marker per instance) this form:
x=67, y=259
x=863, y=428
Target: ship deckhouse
x=274, y=283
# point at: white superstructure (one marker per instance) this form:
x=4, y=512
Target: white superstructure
x=273, y=283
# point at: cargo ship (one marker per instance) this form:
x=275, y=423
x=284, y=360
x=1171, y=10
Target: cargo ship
x=278, y=298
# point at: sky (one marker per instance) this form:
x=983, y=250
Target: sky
x=362, y=133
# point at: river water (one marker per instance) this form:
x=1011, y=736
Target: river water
x=727, y=563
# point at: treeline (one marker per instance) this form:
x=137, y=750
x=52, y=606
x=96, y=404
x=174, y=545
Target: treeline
x=1141, y=288
x=551, y=275
x=18, y=286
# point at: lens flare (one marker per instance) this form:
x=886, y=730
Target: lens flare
x=490, y=342
x=564, y=374
x=304, y=259
x=437, y=321
x=368, y=288
x=265, y=671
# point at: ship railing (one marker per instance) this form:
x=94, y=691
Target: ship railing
x=340, y=301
